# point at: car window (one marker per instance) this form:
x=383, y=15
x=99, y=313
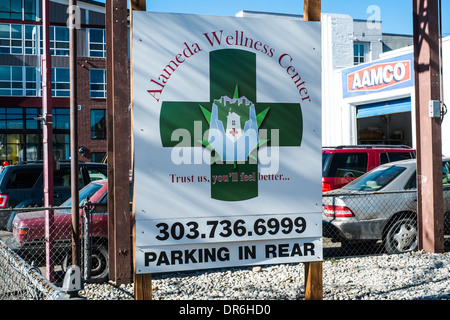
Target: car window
x=386, y=157
x=87, y=191
x=446, y=174
x=61, y=177
x=97, y=173
x=104, y=200
x=344, y=164
x=375, y=179
x=23, y=179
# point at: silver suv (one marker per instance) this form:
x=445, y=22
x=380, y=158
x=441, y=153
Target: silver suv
x=380, y=205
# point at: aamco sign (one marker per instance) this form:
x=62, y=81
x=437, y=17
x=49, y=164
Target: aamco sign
x=381, y=75
x=227, y=133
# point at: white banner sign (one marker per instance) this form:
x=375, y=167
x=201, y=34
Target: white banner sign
x=227, y=133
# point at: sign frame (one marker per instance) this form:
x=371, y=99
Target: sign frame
x=141, y=216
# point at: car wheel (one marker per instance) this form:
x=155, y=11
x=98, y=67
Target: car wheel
x=401, y=236
x=99, y=263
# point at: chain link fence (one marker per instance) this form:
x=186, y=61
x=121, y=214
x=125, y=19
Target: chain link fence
x=22, y=281
x=359, y=223
x=26, y=242
x=365, y=223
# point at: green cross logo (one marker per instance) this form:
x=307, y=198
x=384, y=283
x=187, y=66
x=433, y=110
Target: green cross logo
x=233, y=74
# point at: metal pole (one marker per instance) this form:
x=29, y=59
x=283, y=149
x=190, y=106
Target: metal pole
x=47, y=137
x=76, y=247
x=428, y=129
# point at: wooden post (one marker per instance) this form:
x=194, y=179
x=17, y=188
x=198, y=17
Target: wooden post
x=313, y=281
x=142, y=282
x=119, y=142
x=312, y=10
x=428, y=129
x=313, y=270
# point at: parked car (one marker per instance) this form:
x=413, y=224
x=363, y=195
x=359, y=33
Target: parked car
x=29, y=229
x=380, y=205
x=21, y=185
x=343, y=164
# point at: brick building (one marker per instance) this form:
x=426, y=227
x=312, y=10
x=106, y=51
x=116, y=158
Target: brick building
x=20, y=80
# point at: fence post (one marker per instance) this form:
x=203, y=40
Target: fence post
x=47, y=138
x=119, y=142
x=142, y=282
x=86, y=243
x=427, y=72
x=312, y=10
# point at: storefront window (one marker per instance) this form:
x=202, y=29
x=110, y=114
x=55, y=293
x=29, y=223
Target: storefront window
x=21, y=135
x=61, y=146
x=11, y=118
x=32, y=144
x=61, y=118
x=11, y=148
x=31, y=114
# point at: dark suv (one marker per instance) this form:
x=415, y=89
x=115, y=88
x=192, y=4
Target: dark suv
x=21, y=185
x=343, y=164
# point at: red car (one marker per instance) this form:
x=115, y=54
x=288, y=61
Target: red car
x=29, y=229
x=343, y=164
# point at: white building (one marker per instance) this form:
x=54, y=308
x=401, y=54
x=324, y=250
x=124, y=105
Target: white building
x=375, y=108
x=378, y=113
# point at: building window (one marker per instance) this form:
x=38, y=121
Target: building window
x=360, y=51
x=29, y=10
x=59, y=41
x=10, y=38
x=98, y=124
x=30, y=81
x=14, y=79
x=30, y=39
x=21, y=134
x=12, y=9
x=61, y=118
x=60, y=82
x=96, y=43
x=98, y=157
x=11, y=81
x=97, y=83
x=61, y=146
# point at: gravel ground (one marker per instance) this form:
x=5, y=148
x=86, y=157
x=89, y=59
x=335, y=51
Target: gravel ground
x=410, y=276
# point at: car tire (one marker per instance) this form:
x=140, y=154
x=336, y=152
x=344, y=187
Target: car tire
x=401, y=236
x=99, y=263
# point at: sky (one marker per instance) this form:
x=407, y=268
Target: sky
x=396, y=15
